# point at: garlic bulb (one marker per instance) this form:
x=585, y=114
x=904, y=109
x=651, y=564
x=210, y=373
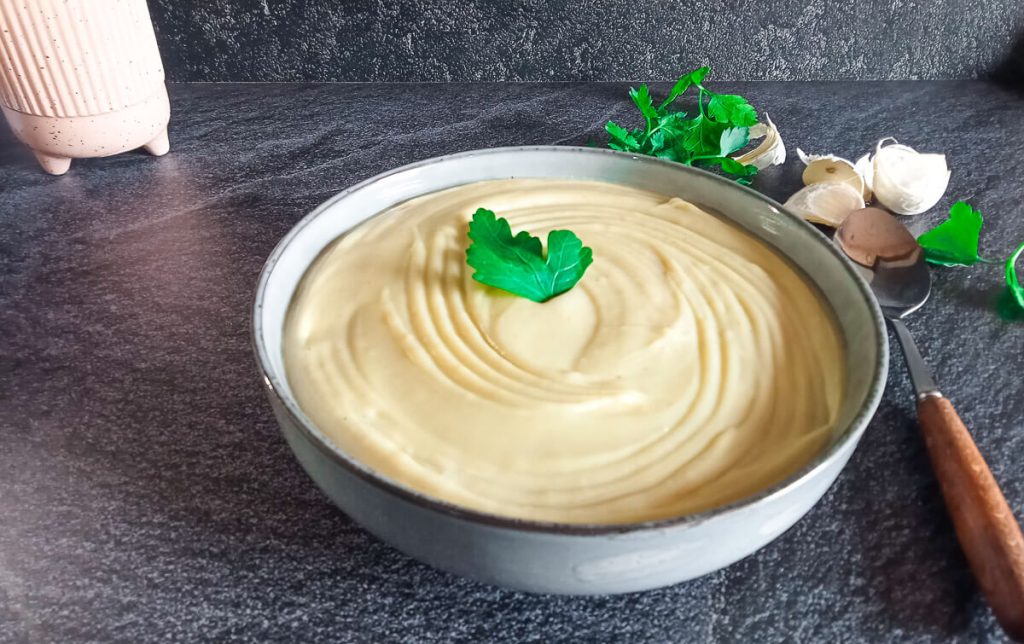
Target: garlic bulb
x=826, y=203
x=771, y=151
x=906, y=181
x=827, y=168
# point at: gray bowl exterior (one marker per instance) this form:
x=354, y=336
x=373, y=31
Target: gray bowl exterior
x=552, y=561
x=561, y=558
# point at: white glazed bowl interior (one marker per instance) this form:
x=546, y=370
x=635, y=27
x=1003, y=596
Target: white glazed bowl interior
x=570, y=558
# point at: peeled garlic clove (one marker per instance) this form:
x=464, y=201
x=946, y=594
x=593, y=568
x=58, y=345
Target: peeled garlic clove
x=823, y=168
x=825, y=203
x=906, y=181
x=771, y=151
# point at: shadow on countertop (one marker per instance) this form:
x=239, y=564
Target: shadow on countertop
x=1009, y=72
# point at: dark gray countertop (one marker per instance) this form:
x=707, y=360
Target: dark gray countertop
x=531, y=40
x=145, y=493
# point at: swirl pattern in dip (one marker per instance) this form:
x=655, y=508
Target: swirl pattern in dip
x=689, y=368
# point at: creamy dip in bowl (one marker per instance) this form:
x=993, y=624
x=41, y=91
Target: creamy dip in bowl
x=684, y=404
x=691, y=367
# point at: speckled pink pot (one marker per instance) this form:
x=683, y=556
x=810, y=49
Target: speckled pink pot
x=81, y=78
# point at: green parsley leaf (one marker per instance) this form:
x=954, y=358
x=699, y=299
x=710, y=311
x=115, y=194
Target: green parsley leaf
x=1016, y=291
x=642, y=99
x=517, y=264
x=704, y=137
x=733, y=139
x=694, y=78
x=732, y=166
x=954, y=242
x=620, y=138
x=667, y=140
x=567, y=260
x=718, y=129
x=732, y=109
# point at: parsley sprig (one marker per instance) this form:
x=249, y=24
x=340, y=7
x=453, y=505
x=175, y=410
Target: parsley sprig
x=720, y=127
x=954, y=242
x=518, y=265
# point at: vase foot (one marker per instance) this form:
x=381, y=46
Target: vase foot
x=52, y=163
x=159, y=145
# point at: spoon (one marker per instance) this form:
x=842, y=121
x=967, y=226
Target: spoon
x=889, y=258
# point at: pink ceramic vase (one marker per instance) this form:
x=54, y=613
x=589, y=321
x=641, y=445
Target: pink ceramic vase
x=81, y=78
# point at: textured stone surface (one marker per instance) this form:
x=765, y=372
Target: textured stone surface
x=611, y=40
x=146, y=495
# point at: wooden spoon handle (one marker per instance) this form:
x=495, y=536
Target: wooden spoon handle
x=988, y=532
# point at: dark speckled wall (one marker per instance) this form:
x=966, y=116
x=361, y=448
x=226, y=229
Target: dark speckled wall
x=532, y=40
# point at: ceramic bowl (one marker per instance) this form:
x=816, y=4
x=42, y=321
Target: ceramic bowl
x=563, y=558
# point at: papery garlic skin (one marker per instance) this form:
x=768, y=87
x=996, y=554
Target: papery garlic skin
x=866, y=169
x=827, y=203
x=771, y=151
x=905, y=181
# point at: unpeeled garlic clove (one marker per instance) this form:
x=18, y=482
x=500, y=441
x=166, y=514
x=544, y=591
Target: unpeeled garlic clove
x=771, y=151
x=826, y=203
x=827, y=168
x=906, y=181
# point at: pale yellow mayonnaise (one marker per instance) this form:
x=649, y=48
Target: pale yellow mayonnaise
x=690, y=367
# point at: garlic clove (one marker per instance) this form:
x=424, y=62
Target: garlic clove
x=906, y=181
x=826, y=203
x=835, y=170
x=771, y=151
x=828, y=168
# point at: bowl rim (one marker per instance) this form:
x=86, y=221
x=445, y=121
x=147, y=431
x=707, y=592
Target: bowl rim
x=851, y=433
